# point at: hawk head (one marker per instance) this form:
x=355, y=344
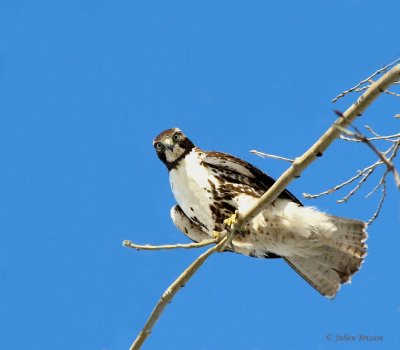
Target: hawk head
x=172, y=146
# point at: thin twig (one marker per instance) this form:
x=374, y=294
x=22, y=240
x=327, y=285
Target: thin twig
x=130, y=244
x=363, y=88
x=358, y=135
x=392, y=93
x=390, y=153
x=380, y=204
x=360, y=173
x=395, y=172
x=384, y=138
x=372, y=131
x=379, y=184
x=266, y=155
x=355, y=189
x=344, y=93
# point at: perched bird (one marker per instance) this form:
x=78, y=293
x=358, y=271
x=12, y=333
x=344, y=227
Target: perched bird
x=210, y=187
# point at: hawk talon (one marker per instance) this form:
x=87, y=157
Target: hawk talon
x=216, y=235
x=232, y=220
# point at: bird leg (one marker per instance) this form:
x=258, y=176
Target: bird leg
x=216, y=235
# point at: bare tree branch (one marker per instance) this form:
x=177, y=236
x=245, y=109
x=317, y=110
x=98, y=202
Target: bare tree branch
x=294, y=171
x=358, y=186
x=364, y=174
x=378, y=209
x=392, y=93
x=266, y=155
x=170, y=292
x=389, y=164
x=376, y=138
x=361, y=173
x=366, y=80
x=130, y=244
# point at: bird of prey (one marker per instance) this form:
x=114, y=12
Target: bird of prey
x=210, y=187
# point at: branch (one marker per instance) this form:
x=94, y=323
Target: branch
x=266, y=155
x=294, y=171
x=130, y=244
x=358, y=186
x=363, y=175
x=170, y=292
x=389, y=164
x=319, y=147
x=384, y=138
x=366, y=80
x=378, y=209
x=392, y=93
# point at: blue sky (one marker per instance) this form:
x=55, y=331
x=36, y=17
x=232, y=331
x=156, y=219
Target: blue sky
x=86, y=85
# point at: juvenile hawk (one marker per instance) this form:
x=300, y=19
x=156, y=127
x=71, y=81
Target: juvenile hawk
x=210, y=186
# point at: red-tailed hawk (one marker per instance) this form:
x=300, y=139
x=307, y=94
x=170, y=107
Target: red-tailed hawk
x=210, y=187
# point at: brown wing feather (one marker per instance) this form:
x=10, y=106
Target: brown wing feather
x=257, y=178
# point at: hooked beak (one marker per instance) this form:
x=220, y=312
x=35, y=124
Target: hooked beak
x=169, y=144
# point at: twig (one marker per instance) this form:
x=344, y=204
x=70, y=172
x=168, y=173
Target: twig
x=344, y=93
x=390, y=153
x=372, y=131
x=382, y=183
x=385, y=138
x=392, y=93
x=293, y=172
x=266, y=155
x=363, y=88
x=379, y=184
x=368, y=170
x=358, y=135
x=395, y=173
x=355, y=189
x=130, y=244
x=379, y=208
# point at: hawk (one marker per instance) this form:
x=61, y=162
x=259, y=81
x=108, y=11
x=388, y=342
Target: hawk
x=210, y=187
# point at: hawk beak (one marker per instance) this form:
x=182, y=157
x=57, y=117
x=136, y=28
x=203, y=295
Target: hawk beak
x=169, y=144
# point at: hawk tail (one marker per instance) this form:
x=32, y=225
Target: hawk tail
x=334, y=258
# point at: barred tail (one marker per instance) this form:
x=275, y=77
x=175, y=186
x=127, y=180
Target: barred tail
x=335, y=258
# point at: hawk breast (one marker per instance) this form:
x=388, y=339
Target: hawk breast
x=191, y=185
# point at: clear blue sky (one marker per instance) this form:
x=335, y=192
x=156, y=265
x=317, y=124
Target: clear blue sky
x=85, y=86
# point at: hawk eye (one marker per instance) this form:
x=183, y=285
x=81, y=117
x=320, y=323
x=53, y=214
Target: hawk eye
x=176, y=137
x=159, y=146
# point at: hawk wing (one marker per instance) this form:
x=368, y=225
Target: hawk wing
x=187, y=226
x=239, y=170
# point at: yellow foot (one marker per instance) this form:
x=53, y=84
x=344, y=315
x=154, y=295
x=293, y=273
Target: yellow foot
x=216, y=235
x=231, y=220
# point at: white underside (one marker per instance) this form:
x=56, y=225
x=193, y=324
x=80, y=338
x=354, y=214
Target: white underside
x=189, y=184
x=284, y=228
